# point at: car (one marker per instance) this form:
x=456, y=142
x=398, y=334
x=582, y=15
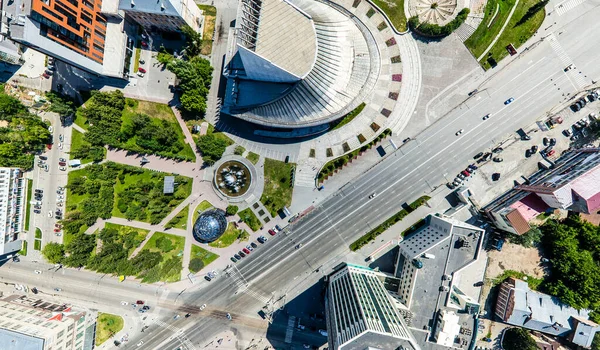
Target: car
x=146, y=307
x=37, y=211
x=202, y=307
x=51, y=67
x=460, y=176
x=237, y=257
x=37, y=207
x=498, y=159
x=62, y=159
x=260, y=240
x=451, y=185
x=253, y=245
x=144, y=36
x=373, y=195
x=323, y=332
x=509, y=101
x=46, y=75
x=271, y=232
x=39, y=190
x=486, y=117
x=176, y=317
x=187, y=315
x=551, y=153
x=140, y=74
x=60, y=196
x=465, y=173
x=58, y=217
x=567, y=133
x=457, y=182
x=207, y=278
x=473, y=166
x=301, y=327
x=584, y=122
x=60, y=188
x=43, y=157
x=306, y=346
x=525, y=137
x=242, y=254
x=62, y=168
x=233, y=259
x=459, y=132
x=278, y=228
x=56, y=230
x=478, y=155
x=124, y=303
x=298, y=246
x=545, y=141
x=473, y=92
x=478, y=284
x=495, y=176
x=141, y=70
x=58, y=225
x=140, y=343
x=142, y=62
x=245, y=250
x=139, y=302
x=229, y=316
x=144, y=44
x=264, y=239
x=50, y=214
x=249, y=247
x=62, y=163
x=37, y=272
x=575, y=107
x=497, y=150
x=534, y=149
x=552, y=141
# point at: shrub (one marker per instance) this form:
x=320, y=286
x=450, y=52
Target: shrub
x=434, y=30
x=239, y=150
x=164, y=244
x=211, y=147
x=196, y=265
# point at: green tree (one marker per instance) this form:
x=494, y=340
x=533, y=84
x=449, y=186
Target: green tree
x=10, y=106
x=164, y=244
x=231, y=210
x=193, y=39
x=518, y=339
x=193, y=101
x=54, y=252
x=211, y=147
x=532, y=11
x=196, y=265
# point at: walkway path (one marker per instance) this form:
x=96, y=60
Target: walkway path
x=500, y=33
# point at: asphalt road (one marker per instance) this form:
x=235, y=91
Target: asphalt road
x=536, y=81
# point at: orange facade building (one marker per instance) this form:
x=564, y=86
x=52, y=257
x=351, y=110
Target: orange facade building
x=77, y=25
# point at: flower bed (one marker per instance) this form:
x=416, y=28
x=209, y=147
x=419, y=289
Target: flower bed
x=397, y=77
x=391, y=41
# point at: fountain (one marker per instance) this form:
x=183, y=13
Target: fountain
x=232, y=178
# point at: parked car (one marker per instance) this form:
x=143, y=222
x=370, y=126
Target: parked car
x=473, y=166
x=567, y=133
x=240, y=253
x=495, y=176
x=466, y=173
x=534, y=149
x=249, y=247
x=245, y=250
x=233, y=259
x=478, y=155
x=497, y=150
x=254, y=245
x=498, y=159
x=62, y=163
x=142, y=70
x=545, y=141
x=271, y=232
x=237, y=257
x=552, y=142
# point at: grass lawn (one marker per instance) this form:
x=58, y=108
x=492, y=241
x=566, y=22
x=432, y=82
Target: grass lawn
x=278, y=191
x=177, y=244
x=74, y=199
x=253, y=157
x=349, y=117
x=38, y=233
x=37, y=244
x=136, y=63
x=81, y=120
x=516, y=35
x=23, y=250
x=106, y=326
x=250, y=219
x=203, y=254
x=180, y=220
x=211, y=130
x=490, y=26
x=210, y=17
x=156, y=112
x=123, y=230
x=28, y=210
x=394, y=9
x=204, y=205
x=77, y=142
x=230, y=236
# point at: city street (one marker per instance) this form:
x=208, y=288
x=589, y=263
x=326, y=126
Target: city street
x=537, y=83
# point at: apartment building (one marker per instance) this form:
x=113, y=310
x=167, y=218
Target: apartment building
x=361, y=314
x=35, y=324
x=163, y=15
x=13, y=197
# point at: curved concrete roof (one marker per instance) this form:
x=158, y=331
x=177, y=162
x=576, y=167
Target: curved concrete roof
x=345, y=69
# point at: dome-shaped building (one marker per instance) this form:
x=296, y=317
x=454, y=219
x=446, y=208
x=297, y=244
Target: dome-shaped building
x=209, y=226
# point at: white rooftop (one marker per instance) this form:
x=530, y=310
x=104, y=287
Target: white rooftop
x=294, y=49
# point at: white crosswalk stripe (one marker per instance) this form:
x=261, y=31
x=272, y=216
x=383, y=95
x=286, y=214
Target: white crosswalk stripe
x=242, y=287
x=573, y=74
x=566, y=6
x=178, y=333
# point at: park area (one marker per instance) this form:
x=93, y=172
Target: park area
x=278, y=189
x=496, y=13
x=230, y=235
x=394, y=9
x=138, y=126
x=208, y=30
x=170, y=248
x=200, y=258
x=107, y=325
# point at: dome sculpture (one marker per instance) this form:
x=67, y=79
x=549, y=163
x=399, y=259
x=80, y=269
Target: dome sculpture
x=209, y=226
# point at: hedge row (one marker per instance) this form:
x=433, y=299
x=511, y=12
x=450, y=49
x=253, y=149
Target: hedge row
x=434, y=30
x=339, y=162
x=371, y=235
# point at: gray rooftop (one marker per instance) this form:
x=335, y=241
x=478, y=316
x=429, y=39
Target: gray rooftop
x=294, y=49
x=10, y=340
x=169, y=184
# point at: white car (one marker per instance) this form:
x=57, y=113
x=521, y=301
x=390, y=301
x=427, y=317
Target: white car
x=140, y=74
x=140, y=343
x=459, y=132
x=50, y=128
x=60, y=146
x=124, y=303
x=50, y=214
x=60, y=197
x=60, y=204
x=62, y=168
x=37, y=272
x=202, y=307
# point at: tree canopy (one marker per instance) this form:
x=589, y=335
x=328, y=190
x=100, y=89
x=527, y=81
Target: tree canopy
x=518, y=339
x=211, y=147
x=194, y=81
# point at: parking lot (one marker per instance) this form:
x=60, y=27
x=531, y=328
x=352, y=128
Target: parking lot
x=501, y=167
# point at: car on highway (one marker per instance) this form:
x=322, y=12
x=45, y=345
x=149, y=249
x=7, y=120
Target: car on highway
x=271, y=232
x=486, y=117
x=246, y=250
x=459, y=132
x=509, y=101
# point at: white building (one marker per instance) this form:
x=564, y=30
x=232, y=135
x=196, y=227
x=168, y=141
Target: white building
x=163, y=15
x=34, y=324
x=13, y=197
x=361, y=314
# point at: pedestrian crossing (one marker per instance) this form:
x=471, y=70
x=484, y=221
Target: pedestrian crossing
x=573, y=74
x=464, y=31
x=566, y=6
x=178, y=333
x=243, y=287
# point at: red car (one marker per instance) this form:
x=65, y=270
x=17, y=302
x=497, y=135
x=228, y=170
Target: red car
x=551, y=153
x=56, y=230
x=246, y=251
x=466, y=173
x=46, y=75
x=140, y=302
x=62, y=163
x=271, y=232
x=144, y=44
x=142, y=70
x=49, y=146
